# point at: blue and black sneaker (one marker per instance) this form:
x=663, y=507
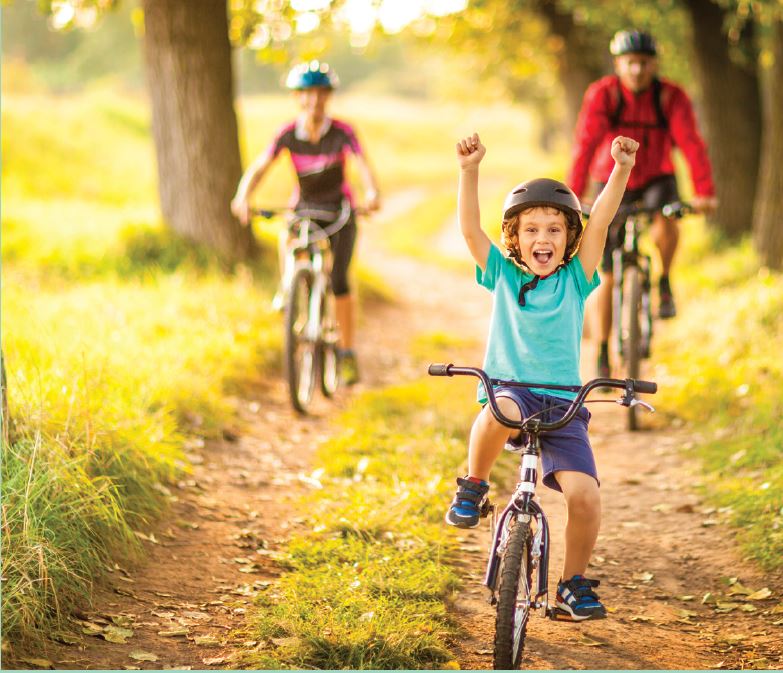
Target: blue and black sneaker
x=465, y=509
x=577, y=601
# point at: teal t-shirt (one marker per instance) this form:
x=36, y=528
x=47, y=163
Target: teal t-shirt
x=541, y=341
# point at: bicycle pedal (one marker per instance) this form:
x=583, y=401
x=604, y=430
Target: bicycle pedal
x=486, y=509
x=560, y=615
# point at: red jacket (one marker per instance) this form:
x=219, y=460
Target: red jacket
x=639, y=120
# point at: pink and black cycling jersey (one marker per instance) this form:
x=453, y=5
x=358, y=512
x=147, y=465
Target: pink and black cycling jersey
x=320, y=166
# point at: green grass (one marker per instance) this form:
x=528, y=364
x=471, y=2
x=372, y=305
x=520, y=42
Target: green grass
x=368, y=588
x=719, y=365
x=119, y=340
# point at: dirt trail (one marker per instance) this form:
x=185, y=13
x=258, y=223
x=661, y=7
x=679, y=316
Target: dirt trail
x=215, y=549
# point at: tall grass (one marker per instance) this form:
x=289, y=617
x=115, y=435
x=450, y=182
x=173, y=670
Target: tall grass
x=118, y=339
x=719, y=365
x=368, y=587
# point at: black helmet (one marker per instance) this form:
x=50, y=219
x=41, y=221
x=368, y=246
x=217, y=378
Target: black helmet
x=632, y=42
x=551, y=193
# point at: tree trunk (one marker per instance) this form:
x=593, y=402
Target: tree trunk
x=582, y=58
x=768, y=232
x=188, y=57
x=732, y=115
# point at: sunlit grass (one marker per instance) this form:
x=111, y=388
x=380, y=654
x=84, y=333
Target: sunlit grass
x=369, y=587
x=720, y=368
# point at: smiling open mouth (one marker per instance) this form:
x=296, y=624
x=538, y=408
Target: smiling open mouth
x=543, y=256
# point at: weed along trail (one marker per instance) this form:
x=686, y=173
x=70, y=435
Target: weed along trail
x=215, y=566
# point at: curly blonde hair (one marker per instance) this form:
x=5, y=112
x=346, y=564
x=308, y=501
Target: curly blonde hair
x=509, y=235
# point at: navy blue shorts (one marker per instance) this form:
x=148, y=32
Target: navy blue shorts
x=566, y=449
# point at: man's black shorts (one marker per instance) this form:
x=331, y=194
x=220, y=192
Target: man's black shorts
x=655, y=194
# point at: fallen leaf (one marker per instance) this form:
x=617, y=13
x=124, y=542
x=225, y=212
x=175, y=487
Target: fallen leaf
x=760, y=595
x=39, y=663
x=707, y=598
x=687, y=613
x=685, y=599
x=292, y=641
x=138, y=655
x=707, y=523
x=213, y=661
x=726, y=607
x=190, y=614
x=748, y=608
x=643, y=577
x=148, y=538
x=67, y=639
x=589, y=642
x=92, y=629
x=121, y=620
x=206, y=640
x=173, y=633
x=778, y=609
x=738, y=589
x=163, y=615
x=641, y=618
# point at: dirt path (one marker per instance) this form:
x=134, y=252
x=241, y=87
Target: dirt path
x=215, y=550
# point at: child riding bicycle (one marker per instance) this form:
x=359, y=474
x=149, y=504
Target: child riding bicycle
x=539, y=286
x=318, y=146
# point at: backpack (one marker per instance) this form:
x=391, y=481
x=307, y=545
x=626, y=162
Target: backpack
x=614, y=118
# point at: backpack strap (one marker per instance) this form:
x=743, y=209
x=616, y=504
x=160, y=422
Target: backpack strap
x=657, y=88
x=619, y=105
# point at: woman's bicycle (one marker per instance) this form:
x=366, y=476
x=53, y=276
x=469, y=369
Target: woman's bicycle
x=517, y=573
x=632, y=315
x=311, y=329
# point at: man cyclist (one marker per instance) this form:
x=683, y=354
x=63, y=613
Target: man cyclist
x=318, y=146
x=658, y=114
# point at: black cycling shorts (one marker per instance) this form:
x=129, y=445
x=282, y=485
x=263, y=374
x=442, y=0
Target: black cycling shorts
x=342, y=242
x=655, y=194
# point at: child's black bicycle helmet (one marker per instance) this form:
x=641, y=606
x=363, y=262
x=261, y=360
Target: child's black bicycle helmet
x=550, y=193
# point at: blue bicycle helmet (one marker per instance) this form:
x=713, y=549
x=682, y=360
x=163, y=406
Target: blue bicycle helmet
x=632, y=42
x=311, y=75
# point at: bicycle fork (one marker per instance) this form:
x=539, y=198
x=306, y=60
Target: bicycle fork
x=527, y=512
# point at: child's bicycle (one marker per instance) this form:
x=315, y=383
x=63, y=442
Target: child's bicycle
x=632, y=315
x=518, y=564
x=311, y=330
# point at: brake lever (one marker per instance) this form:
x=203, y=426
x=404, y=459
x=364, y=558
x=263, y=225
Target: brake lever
x=633, y=402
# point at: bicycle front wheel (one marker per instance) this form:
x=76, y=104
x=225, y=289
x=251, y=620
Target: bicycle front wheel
x=327, y=346
x=514, y=598
x=301, y=353
x=632, y=331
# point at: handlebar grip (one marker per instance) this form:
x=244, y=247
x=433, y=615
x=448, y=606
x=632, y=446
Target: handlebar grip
x=645, y=386
x=439, y=370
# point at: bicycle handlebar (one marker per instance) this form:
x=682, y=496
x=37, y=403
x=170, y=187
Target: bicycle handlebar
x=630, y=386
x=673, y=209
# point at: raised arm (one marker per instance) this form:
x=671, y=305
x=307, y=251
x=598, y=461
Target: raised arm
x=605, y=207
x=240, y=205
x=470, y=152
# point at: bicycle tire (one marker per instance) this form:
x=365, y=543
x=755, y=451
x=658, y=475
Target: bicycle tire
x=329, y=374
x=301, y=353
x=513, y=613
x=632, y=331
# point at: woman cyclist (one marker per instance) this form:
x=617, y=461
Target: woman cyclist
x=318, y=146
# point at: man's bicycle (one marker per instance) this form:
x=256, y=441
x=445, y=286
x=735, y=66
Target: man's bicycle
x=632, y=315
x=311, y=329
x=517, y=573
